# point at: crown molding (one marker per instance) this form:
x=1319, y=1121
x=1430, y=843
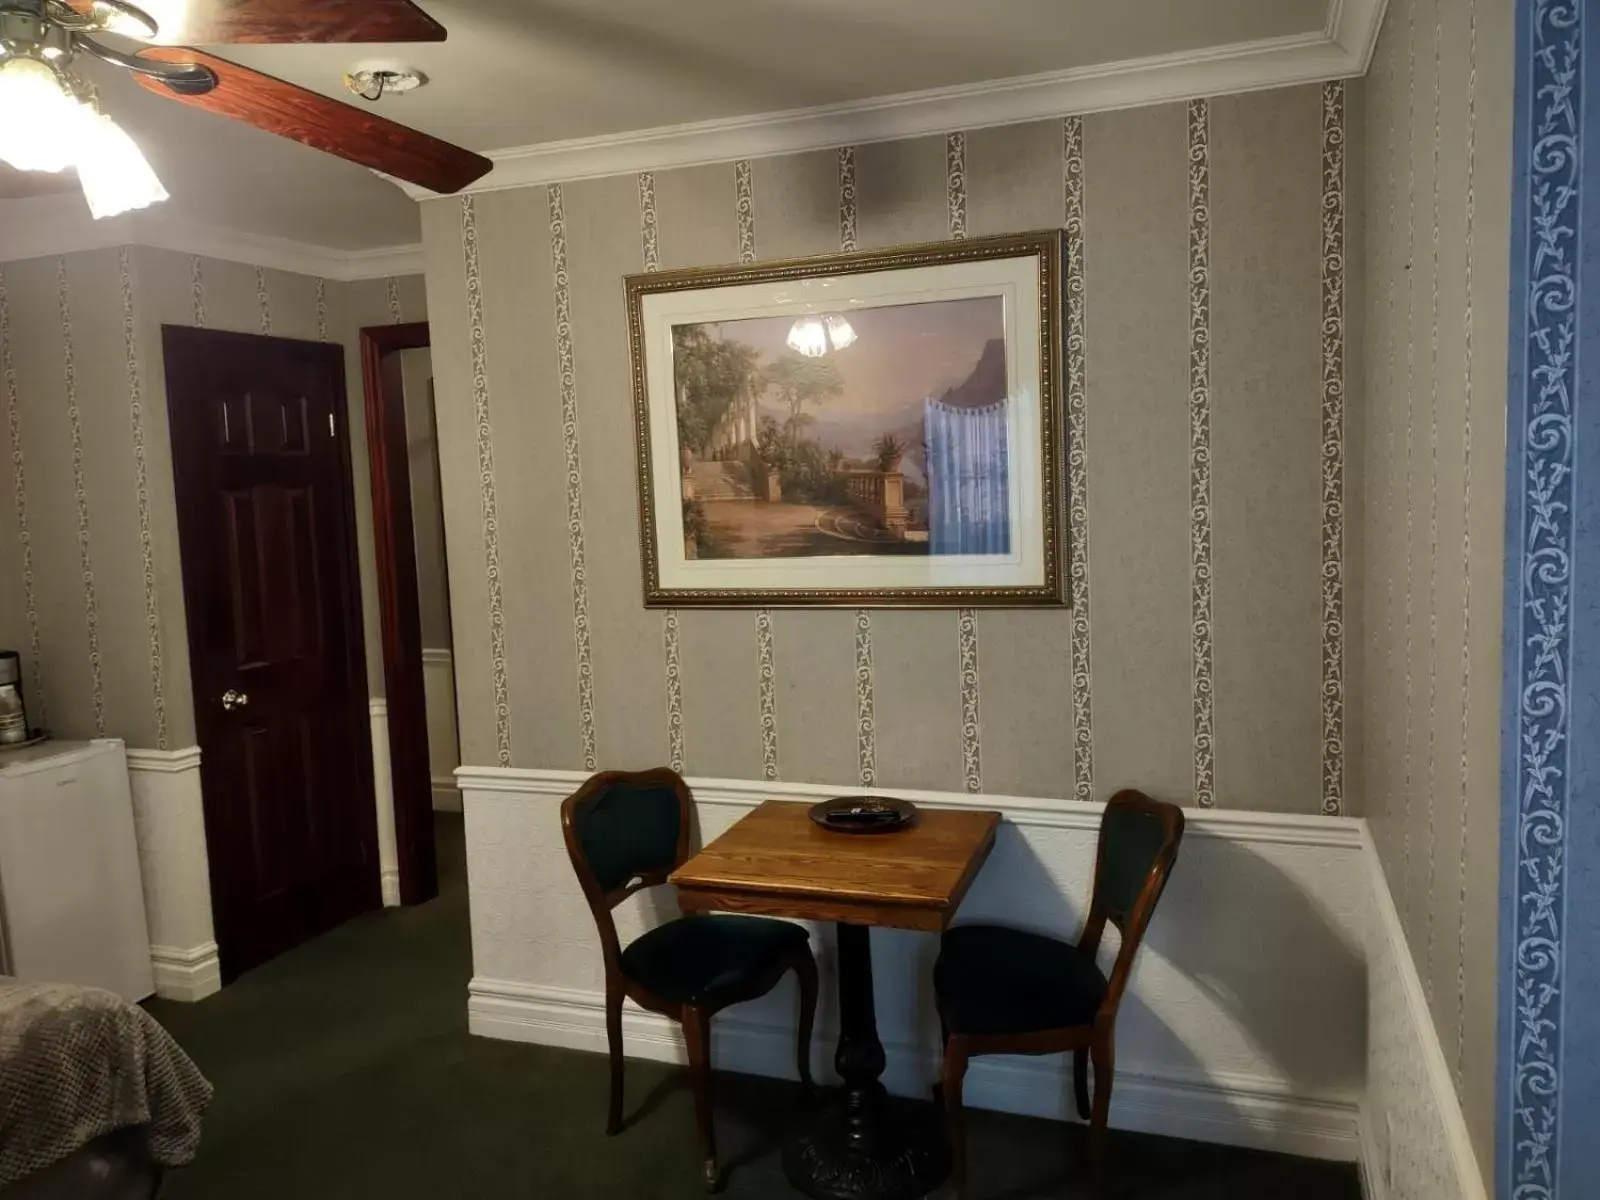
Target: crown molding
x=42, y=226
x=1354, y=26
x=1340, y=50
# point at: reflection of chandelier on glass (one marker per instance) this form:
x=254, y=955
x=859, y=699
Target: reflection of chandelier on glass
x=813, y=335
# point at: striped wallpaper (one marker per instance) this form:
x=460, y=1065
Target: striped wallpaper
x=1204, y=395
x=90, y=584
x=1428, y=574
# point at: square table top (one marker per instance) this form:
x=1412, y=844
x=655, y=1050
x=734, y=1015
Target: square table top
x=775, y=861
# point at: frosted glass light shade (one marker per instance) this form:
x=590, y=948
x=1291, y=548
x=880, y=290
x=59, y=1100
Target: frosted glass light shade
x=39, y=119
x=115, y=174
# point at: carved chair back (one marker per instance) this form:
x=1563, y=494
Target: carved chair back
x=625, y=831
x=1139, y=840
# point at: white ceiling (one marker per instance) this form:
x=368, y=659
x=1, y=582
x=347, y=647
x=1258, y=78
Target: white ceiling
x=516, y=73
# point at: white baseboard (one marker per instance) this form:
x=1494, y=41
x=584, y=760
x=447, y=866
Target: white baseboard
x=186, y=974
x=389, y=885
x=446, y=796
x=1232, y=1110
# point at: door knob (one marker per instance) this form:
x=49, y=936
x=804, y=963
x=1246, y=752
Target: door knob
x=232, y=699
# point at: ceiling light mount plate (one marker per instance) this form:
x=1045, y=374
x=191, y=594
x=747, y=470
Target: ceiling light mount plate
x=374, y=79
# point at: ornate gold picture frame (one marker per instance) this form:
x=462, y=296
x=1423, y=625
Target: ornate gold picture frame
x=866, y=429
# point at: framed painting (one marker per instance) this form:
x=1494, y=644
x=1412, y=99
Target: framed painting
x=866, y=429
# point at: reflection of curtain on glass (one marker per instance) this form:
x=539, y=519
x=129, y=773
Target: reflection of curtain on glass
x=969, y=487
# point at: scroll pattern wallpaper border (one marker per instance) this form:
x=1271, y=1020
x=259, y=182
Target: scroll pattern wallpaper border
x=766, y=666
x=574, y=479
x=80, y=493
x=650, y=250
x=487, y=501
x=866, y=722
x=1333, y=434
x=8, y=384
x=197, y=292
x=1072, y=186
x=1543, y=467
x=391, y=293
x=1201, y=652
x=955, y=170
x=263, y=302
x=141, y=484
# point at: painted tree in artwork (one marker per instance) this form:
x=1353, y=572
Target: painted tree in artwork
x=797, y=382
x=710, y=373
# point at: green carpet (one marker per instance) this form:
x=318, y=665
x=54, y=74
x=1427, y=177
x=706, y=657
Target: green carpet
x=344, y=1069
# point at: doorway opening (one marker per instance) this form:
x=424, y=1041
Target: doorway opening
x=413, y=595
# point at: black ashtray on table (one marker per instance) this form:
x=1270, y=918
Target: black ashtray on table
x=864, y=814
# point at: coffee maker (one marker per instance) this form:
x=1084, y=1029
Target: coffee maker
x=13, y=713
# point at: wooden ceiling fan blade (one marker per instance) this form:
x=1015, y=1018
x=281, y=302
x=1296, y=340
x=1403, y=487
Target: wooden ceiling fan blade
x=240, y=22
x=329, y=125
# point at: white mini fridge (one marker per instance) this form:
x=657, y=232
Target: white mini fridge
x=71, y=901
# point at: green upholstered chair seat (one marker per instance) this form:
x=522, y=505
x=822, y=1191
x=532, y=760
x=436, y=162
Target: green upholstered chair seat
x=699, y=960
x=994, y=980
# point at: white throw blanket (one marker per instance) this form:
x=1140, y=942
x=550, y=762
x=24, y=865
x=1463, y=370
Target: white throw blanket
x=78, y=1063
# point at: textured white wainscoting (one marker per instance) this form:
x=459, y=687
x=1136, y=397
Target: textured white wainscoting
x=1245, y=1021
x=169, y=823
x=444, y=752
x=1414, y=1140
x=383, y=791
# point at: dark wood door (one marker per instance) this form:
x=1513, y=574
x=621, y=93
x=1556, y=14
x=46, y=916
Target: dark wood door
x=266, y=528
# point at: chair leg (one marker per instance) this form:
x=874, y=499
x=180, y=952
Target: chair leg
x=1104, y=1064
x=951, y=1077
x=697, y=1034
x=805, y=969
x=1080, y=1081
x=614, y=1038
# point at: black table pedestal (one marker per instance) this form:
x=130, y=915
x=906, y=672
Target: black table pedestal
x=864, y=1146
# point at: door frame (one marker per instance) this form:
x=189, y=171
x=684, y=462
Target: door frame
x=176, y=339
x=395, y=555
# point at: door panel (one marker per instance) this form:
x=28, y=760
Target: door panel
x=261, y=463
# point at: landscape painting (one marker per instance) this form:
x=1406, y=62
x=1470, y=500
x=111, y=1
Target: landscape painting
x=787, y=455
x=874, y=438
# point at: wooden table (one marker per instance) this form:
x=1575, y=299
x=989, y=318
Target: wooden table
x=778, y=863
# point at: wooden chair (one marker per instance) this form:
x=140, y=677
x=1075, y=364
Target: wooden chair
x=629, y=830
x=1006, y=991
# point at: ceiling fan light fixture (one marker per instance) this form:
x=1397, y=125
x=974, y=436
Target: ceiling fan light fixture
x=117, y=16
x=47, y=138
x=114, y=172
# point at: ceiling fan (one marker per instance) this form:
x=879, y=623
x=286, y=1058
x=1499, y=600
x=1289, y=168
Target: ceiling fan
x=50, y=116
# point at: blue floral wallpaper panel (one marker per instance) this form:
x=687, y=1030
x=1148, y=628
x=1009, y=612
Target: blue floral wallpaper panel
x=1549, y=1076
